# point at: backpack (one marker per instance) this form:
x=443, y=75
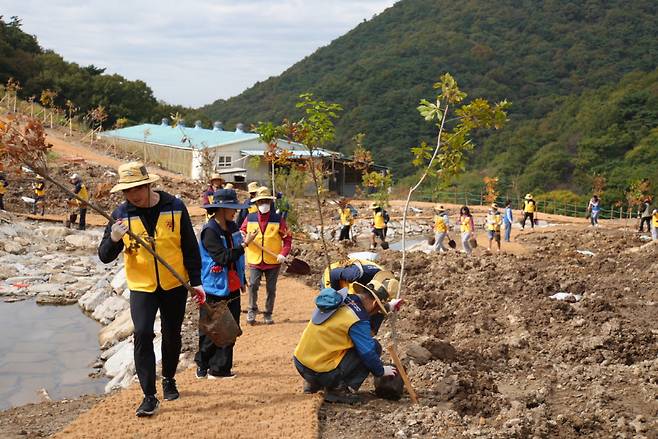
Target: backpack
x=387, y=217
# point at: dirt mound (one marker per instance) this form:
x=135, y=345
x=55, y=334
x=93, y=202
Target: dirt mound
x=493, y=355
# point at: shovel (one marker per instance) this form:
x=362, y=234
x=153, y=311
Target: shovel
x=296, y=266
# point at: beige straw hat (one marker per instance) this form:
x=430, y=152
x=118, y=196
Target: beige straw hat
x=382, y=287
x=133, y=174
x=263, y=193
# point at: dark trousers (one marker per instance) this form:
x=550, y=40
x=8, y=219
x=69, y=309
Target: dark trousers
x=531, y=216
x=2, y=202
x=83, y=219
x=39, y=202
x=344, y=233
x=351, y=371
x=216, y=360
x=143, y=307
x=646, y=219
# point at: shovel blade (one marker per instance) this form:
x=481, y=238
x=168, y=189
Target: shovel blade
x=297, y=266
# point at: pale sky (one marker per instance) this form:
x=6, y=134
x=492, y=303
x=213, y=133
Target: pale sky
x=190, y=52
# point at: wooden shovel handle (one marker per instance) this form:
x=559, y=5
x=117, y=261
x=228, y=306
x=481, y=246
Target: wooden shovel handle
x=260, y=247
x=403, y=374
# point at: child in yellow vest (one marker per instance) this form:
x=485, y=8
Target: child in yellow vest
x=467, y=227
x=494, y=221
x=378, y=226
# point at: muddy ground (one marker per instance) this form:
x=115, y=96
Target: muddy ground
x=491, y=355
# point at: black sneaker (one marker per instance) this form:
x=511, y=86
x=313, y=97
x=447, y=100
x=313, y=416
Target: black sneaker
x=311, y=387
x=340, y=397
x=201, y=373
x=221, y=376
x=148, y=407
x=169, y=389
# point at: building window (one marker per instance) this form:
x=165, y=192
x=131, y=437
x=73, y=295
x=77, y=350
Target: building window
x=224, y=161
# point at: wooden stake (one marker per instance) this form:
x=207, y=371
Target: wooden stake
x=403, y=374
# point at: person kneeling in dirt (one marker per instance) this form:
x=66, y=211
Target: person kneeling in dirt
x=162, y=220
x=81, y=191
x=266, y=253
x=337, y=350
x=222, y=275
x=343, y=274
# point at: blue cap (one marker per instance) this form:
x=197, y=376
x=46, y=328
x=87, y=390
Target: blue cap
x=327, y=303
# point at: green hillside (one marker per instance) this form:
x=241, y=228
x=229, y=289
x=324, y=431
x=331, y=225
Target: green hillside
x=548, y=57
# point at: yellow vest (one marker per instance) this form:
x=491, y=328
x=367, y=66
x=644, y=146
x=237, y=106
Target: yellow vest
x=379, y=220
x=466, y=224
x=252, y=208
x=326, y=280
x=346, y=217
x=3, y=188
x=655, y=220
x=322, y=347
x=40, y=189
x=440, y=224
x=142, y=272
x=270, y=240
x=84, y=194
x=529, y=207
x=494, y=221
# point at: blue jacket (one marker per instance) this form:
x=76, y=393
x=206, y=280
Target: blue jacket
x=214, y=277
x=361, y=335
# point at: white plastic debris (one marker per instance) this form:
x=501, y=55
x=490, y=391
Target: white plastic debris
x=367, y=256
x=567, y=297
x=28, y=200
x=645, y=238
x=585, y=252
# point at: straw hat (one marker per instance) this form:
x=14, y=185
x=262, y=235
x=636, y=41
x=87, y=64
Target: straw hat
x=528, y=196
x=382, y=287
x=74, y=177
x=39, y=177
x=216, y=176
x=439, y=208
x=374, y=206
x=228, y=186
x=494, y=206
x=263, y=193
x=131, y=175
x=252, y=187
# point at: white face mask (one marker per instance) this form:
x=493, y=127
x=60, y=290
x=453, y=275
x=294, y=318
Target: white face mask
x=264, y=208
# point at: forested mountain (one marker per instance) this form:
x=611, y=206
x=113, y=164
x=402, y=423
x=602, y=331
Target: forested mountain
x=563, y=65
x=37, y=69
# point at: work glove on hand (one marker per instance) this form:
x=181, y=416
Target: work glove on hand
x=395, y=304
x=280, y=259
x=390, y=371
x=199, y=295
x=118, y=230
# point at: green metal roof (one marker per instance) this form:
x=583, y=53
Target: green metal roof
x=180, y=137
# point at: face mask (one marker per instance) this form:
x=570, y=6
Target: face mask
x=264, y=208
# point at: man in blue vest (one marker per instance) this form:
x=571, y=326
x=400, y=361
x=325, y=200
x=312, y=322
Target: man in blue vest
x=337, y=350
x=163, y=221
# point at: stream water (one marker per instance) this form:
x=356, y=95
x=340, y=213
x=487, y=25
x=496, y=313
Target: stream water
x=46, y=347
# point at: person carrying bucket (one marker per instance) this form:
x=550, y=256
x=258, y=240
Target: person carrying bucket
x=223, y=277
x=163, y=221
x=441, y=225
x=266, y=253
x=337, y=351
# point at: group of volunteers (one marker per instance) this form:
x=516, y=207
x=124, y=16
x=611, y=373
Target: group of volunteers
x=379, y=224
x=77, y=207
x=337, y=350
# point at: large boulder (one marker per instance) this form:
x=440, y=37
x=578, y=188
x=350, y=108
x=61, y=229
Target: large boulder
x=14, y=248
x=119, y=329
x=81, y=241
x=108, y=310
x=93, y=299
x=118, y=362
x=419, y=354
